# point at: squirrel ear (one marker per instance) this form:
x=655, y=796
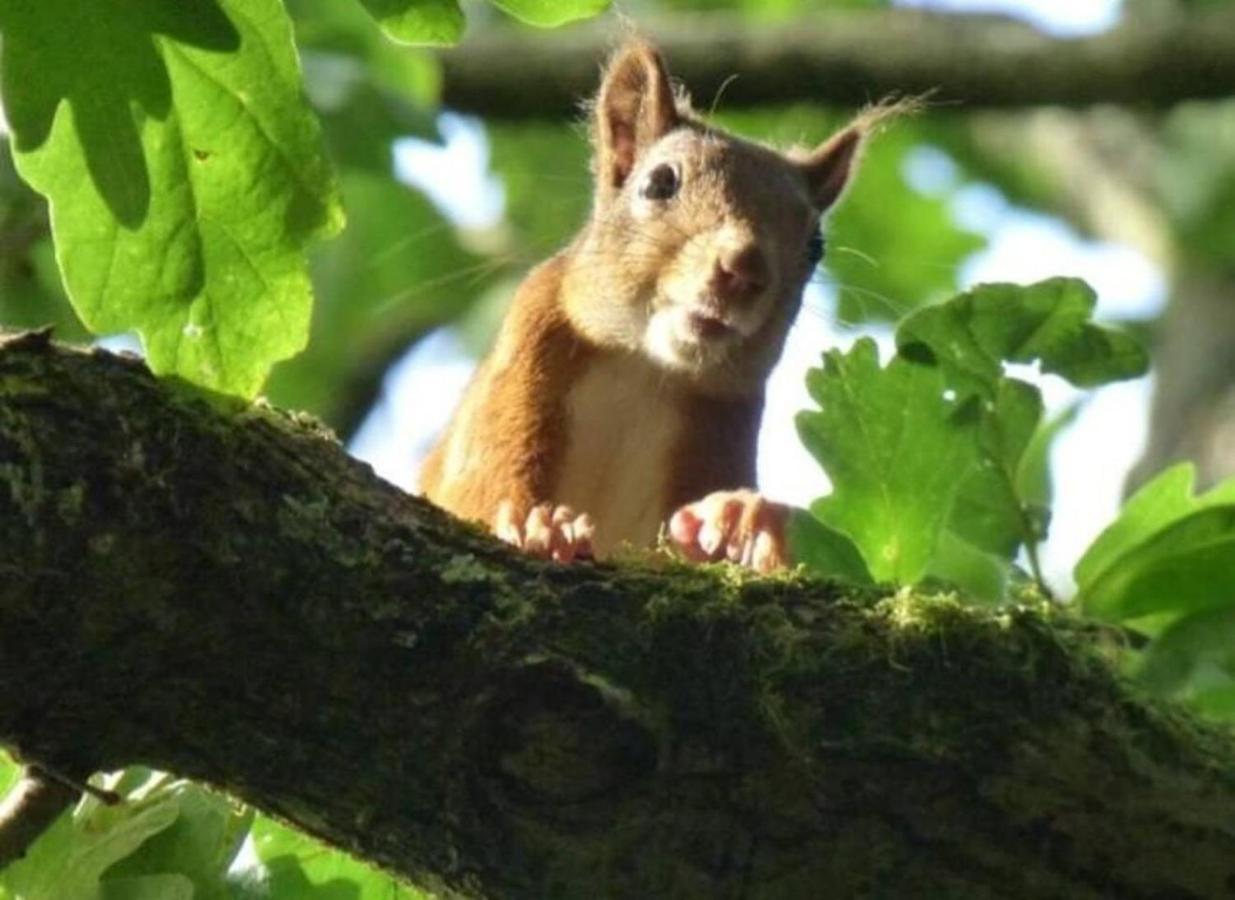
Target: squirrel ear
x=635, y=107
x=829, y=166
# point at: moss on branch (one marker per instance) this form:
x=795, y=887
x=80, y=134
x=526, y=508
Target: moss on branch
x=219, y=591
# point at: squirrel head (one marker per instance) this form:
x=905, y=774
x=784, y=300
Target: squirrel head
x=700, y=243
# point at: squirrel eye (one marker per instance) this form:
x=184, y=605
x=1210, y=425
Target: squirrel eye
x=814, y=247
x=660, y=184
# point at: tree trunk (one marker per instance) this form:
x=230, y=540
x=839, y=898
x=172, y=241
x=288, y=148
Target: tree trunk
x=853, y=57
x=217, y=590
x=1193, y=414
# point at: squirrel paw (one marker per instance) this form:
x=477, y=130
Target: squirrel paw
x=741, y=526
x=548, y=530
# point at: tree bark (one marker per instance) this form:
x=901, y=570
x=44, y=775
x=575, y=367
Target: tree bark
x=1193, y=413
x=853, y=57
x=217, y=590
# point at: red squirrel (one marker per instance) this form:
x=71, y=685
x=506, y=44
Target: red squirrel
x=626, y=385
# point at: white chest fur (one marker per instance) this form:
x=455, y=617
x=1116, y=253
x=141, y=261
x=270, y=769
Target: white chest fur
x=623, y=424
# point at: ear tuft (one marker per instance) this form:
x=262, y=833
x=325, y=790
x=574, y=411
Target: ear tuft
x=635, y=107
x=829, y=167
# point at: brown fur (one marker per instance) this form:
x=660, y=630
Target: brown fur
x=712, y=422
x=509, y=431
x=611, y=327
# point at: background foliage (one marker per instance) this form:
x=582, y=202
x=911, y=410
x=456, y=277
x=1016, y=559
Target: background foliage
x=176, y=169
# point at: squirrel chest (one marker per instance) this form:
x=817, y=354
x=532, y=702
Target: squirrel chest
x=623, y=425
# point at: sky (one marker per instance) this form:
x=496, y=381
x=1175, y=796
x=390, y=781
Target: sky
x=1090, y=459
x=1064, y=18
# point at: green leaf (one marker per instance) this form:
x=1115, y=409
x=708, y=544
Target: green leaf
x=1185, y=567
x=1168, y=552
x=167, y=839
x=70, y=857
x=989, y=512
x=1163, y=500
x=895, y=448
x=30, y=291
x=1194, y=660
x=299, y=868
x=1033, y=478
x=958, y=563
x=429, y=22
x=551, y=13
x=199, y=846
x=167, y=886
x=184, y=171
x=10, y=772
x=328, y=28
x=825, y=550
x=972, y=335
x=971, y=338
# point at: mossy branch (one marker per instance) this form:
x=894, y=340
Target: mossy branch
x=219, y=591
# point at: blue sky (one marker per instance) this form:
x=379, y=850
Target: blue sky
x=1059, y=17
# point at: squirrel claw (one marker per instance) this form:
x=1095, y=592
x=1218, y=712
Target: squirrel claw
x=547, y=531
x=741, y=526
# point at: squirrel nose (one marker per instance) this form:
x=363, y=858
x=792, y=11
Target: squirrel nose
x=739, y=272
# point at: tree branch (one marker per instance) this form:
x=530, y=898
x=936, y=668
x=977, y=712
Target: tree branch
x=851, y=58
x=217, y=590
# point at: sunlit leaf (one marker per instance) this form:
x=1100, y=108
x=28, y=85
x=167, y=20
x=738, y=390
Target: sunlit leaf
x=896, y=449
x=200, y=845
x=165, y=886
x=184, y=171
x=10, y=772
x=957, y=562
x=1033, y=478
x=69, y=859
x=1168, y=552
x=166, y=839
x=299, y=868
x=989, y=513
x=30, y=291
x=332, y=28
x=972, y=338
x=1184, y=567
x=973, y=335
x=825, y=550
x=1194, y=660
x=431, y=22
x=551, y=13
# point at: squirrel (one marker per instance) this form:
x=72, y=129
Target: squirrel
x=626, y=385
